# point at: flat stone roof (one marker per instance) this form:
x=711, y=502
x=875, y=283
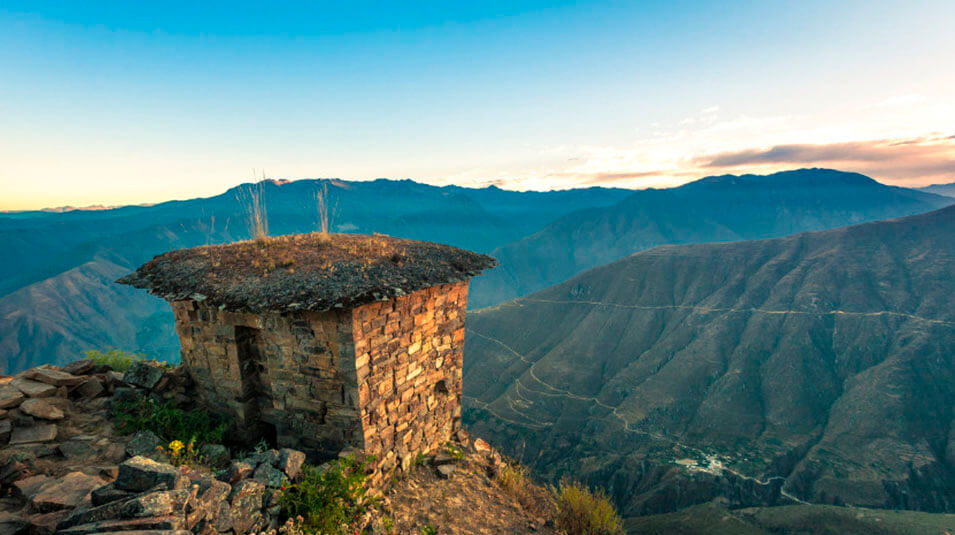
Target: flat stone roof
x=305, y=271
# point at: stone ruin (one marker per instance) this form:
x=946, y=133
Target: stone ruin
x=325, y=343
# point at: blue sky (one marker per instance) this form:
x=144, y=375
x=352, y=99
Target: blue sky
x=112, y=104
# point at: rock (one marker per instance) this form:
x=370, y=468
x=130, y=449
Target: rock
x=162, y=503
x=41, y=409
x=462, y=436
x=29, y=487
x=290, y=462
x=65, y=493
x=37, y=433
x=223, y=521
x=20, y=419
x=14, y=470
x=115, y=378
x=163, y=525
x=267, y=457
x=12, y=524
x=53, y=377
x=10, y=397
x=90, y=388
x=6, y=428
x=143, y=443
x=269, y=476
x=80, y=367
x=108, y=494
x=481, y=446
x=238, y=470
x=246, y=502
x=215, y=454
x=45, y=524
x=76, y=449
x=143, y=374
x=140, y=474
x=33, y=389
x=445, y=470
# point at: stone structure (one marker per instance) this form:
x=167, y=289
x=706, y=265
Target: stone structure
x=374, y=366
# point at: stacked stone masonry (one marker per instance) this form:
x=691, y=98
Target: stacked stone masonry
x=384, y=378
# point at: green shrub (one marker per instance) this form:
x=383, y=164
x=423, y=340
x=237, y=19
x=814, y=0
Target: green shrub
x=455, y=452
x=116, y=359
x=331, y=498
x=169, y=422
x=582, y=512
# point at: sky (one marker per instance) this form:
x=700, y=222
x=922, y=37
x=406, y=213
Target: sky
x=123, y=103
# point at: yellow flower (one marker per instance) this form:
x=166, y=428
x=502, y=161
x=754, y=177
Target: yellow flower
x=176, y=446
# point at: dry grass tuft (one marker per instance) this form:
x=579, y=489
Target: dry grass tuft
x=252, y=199
x=582, y=512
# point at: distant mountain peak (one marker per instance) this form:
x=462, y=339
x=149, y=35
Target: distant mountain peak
x=795, y=177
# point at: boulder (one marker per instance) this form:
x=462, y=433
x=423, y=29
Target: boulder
x=140, y=474
x=143, y=443
x=90, y=388
x=290, y=462
x=10, y=397
x=269, y=476
x=33, y=389
x=236, y=471
x=67, y=492
x=246, y=505
x=37, y=433
x=76, y=449
x=481, y=446
x=143, y=374
x=109, y=494
x=29, y=487
x=445, y=470
x=53, y=377
x=80, y=367
x=152, y=504
x=41, y=409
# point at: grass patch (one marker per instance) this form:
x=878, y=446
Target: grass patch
x=581, y=511
x=330, y=498
x=116, y=359
x=170, y=423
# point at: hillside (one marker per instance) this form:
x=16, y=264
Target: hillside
x=947, y=190
x=712, y=209
x=56, y=293
x=816, y=368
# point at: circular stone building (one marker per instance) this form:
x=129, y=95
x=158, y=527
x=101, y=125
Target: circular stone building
x=324, y=342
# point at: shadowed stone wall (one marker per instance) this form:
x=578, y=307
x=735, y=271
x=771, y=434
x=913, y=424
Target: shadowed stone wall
x=384, y=378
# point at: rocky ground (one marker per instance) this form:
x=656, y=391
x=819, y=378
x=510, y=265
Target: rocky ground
x=65, y=469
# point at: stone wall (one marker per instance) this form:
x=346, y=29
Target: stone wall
x=409, y=357
x=294, y=372
x=383, y=378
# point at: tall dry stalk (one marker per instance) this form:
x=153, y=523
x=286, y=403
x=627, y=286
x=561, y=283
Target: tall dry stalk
x=325, y=211
x=252, y=199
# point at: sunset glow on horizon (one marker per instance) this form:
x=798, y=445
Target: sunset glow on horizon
x=111, y=105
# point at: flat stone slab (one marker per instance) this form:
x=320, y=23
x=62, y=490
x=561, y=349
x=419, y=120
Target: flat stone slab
x=37, y=433
x=143, y=374
x=67, y=492
x=6, y=429
x=33, y=389
x=140, y=474
x=39, y=408
x=53, y=377
x=31, y=486
x=10, y=397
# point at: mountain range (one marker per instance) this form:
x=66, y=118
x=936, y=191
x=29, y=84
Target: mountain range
x=947, y=190
x=712, y=209
x=57, y=296
x=811, y=368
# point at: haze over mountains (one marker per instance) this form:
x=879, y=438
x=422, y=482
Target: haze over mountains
x=718, y=208
x=940, y=189
x=816, y=367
